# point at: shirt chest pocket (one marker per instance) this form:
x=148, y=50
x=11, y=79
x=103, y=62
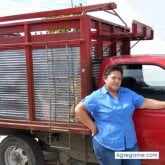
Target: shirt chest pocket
x=113, y=108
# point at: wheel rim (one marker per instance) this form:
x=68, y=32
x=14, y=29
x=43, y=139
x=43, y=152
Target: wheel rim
x=15, y=155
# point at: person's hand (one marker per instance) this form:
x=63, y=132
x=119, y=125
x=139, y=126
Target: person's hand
x=94, y=130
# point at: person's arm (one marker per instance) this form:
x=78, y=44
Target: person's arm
x=152, y=104
x=85, y=118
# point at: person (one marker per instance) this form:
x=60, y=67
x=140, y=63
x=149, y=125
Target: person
x=108, y=112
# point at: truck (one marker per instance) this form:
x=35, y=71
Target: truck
x=49, y=61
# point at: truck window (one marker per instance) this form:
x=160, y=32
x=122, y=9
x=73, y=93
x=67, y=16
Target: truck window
x=147, y=80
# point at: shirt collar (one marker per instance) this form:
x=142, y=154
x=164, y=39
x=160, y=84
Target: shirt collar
x=105, y=91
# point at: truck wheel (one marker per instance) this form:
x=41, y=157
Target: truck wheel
x=20, y=149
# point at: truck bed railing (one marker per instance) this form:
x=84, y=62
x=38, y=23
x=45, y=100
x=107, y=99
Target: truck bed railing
x=60, y=13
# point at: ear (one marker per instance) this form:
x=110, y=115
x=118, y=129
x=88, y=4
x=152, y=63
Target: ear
x=104, y=79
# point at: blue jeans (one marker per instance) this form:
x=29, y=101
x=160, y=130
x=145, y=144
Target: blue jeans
x=107, y=157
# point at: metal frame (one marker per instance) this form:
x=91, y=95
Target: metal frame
x=32, y=34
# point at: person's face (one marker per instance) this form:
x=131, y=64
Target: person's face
x=113, y=81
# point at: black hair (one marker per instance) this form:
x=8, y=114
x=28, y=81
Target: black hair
x=112, y=68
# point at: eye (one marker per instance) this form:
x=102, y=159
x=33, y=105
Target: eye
x=115, y=78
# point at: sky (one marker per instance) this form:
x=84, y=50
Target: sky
x=150, y=12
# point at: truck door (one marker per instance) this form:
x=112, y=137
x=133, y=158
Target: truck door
x=146, y=79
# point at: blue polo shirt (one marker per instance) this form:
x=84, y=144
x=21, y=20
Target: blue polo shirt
x=113, y=117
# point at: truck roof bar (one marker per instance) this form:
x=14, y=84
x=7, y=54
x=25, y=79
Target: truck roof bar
x=61, y=12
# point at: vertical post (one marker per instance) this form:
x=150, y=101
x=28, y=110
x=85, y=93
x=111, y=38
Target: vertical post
x=126, y=47
x=85, y=56
x=99, y=53
x=113, y=48
x=30, y=81
x=85, y=149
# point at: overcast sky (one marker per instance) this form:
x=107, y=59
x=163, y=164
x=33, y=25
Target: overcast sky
x=150, y=12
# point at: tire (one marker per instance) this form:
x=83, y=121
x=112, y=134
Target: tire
x=20, y=149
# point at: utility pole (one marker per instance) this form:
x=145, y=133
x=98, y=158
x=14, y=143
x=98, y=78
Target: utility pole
x=72, y=3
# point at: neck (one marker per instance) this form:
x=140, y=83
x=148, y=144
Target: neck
x=114, y=93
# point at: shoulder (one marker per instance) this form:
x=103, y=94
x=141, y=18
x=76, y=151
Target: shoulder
x=98, y=92
x=127, y=91
x=95, y=94
x=137, y=98
x=124, y=89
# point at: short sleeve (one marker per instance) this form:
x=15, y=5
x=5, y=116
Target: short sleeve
x=137, y=99
x=90, y=102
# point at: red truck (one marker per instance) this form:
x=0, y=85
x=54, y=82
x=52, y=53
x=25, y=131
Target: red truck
x=49, y=61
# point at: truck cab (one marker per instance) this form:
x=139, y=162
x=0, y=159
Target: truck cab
x=145, y=74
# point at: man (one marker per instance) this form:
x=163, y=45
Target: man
x=108, y=112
